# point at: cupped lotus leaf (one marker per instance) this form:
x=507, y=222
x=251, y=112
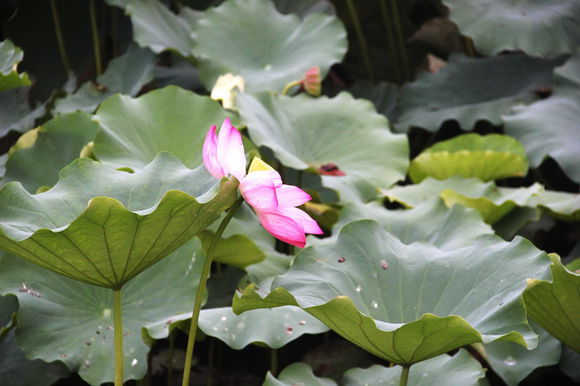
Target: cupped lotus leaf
x=77, y=318
x=274, y=327
x=490, y=201
x=54, y=145
x=550, y=128
x=291, y=47
x=134, y=130
x=538, y=28
x=15, y=112
x=487, y=157
x=341, y=134
x=125, y=74
x=104, y=226
x=16, y=369
x=10, y=57
x=430, y=221
x=409, y=303
x=513, y=363
x=297, y=374
x=468, y=90
x=459, y=369
x=555, y=305
x=156, y=27
x=563, y=205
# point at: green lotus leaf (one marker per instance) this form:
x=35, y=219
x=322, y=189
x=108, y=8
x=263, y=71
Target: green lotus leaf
x=10, y=57
x=550, y=128
x=570, y=71
x=409, y=303
x=49, y=148
x=383, y=95
x=236, y=250
x=16, y=370
x=273, y=327
x=297, y=374
x=126, y=74
x=134, y=130
x=513, y=363
x=77, y=318
x=563, y=205
x=340, y=132
x=15, y=112
x=492, y=202
x=304, y=7
x=293, y=45
x=430, y=221
x=8, y=307
x=536, y=27
x=487, y=157
x=156, y=27
x=570, y=363
x=468, y=90
x=555, y=305
x=459, y=369
x=103, y=226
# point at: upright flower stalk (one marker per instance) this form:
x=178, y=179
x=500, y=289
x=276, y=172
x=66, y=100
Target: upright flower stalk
x=274, y=202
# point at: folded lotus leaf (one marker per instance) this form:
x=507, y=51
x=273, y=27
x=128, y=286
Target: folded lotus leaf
x=104, y=226
x=409, y=303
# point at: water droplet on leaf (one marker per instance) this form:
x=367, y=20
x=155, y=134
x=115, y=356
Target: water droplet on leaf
x=510, y=361
x=375, y=304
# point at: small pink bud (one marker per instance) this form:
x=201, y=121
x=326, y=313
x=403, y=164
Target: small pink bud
x=312, y=81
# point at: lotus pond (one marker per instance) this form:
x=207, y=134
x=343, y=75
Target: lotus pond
x=289, y=192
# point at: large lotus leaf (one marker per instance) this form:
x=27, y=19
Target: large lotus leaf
x=490, y=201
x=17, y=370
x=459, y=369
x=559, y=204
x=47, y=149
x=408, y=303
x=304, y=7
x=555, y=305
x=487, y=157
x=134, y=130
x=338, y=132
x=10, y=57
x=550, y=128
x=430, y=221
x=513, y=363
x=468, y=90
x=67, y=320
x=536, y=27
x=104, y=226
x=274, y=327
x=297, y=374
x=15, y=112
x=126, y=74
x=570, y=70
x=291, y=47
x=8, y=307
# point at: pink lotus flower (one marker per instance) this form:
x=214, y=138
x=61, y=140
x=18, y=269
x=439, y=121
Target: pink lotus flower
x=223, y=154
x=274, y=202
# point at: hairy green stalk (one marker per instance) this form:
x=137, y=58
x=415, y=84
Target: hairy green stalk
x=59, y=38
x=118, y=330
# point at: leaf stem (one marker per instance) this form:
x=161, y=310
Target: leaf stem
x=404, y=375
x=59, y=38
x=401, y=39
x=95, y=33
x=361, y=39
x=201, y=288
x=392, y=44
x=274, y=361
x=290, y=85
x=118, y=329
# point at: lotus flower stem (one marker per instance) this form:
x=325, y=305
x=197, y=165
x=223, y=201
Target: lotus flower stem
x=95, y=33
x=118, y=329
x=361, y=39
x=290, y=85
x=201, y=288
x=392, y=45
x=400, y=38
x=404, y=376
x=59, y=38
x=274, y=361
